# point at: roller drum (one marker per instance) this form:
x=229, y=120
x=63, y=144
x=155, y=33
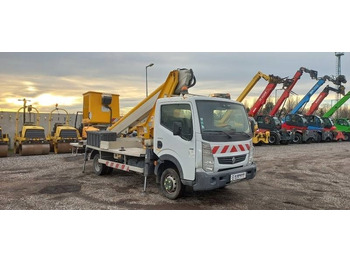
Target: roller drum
x=34, y=149
x=3, y=150
x=63, y=148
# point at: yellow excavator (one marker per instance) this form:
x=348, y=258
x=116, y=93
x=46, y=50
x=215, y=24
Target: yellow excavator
x=4, y=143
x=30, y=139
x=62, y=134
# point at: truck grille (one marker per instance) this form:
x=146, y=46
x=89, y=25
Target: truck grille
x=227, y=160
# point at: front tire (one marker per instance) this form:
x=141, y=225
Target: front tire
x=170, y=184
x=273, y=139
x=298, y=138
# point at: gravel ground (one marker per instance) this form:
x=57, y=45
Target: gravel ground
x=313, y=176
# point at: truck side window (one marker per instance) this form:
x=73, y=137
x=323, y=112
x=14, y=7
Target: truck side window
x=177, y=113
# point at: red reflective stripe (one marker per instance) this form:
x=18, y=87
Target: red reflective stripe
x=233, y=149
x=215, y=149
x=241, y=147
x=122, y=167
x=224, y=149
x=247, y=146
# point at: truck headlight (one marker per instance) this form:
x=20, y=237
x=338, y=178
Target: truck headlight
x=207, y=158
x=251, y=155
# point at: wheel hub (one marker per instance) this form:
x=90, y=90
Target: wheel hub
x=170, y=184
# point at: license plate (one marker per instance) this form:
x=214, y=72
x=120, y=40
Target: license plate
x=239, y=176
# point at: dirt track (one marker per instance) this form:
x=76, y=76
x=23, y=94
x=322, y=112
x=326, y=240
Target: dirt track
x=314, y=176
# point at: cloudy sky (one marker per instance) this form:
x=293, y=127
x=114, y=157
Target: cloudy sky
x=47, y=78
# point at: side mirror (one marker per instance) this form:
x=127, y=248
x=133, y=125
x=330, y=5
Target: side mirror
x=177, y=128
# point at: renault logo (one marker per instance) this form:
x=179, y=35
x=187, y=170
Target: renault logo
x=233, y=160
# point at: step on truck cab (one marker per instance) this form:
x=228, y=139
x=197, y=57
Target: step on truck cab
x=196, y=141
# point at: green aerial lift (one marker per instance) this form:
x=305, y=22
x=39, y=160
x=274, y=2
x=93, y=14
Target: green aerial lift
x=342, y=124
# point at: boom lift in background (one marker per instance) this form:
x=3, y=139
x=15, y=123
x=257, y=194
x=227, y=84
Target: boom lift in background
x=260, y=135
x=300, y=132
x=271, y=123
x=342, y=124
x=62, y=134
x=30, y=140
x=184, y=140
x=315, y=123
x=328, y=122
x=4, y=143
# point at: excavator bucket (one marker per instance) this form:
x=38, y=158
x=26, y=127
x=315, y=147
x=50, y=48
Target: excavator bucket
x=34, y=149
x=63, y=148
x=3, y=150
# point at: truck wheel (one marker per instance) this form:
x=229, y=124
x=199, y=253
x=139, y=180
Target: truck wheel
x=346, y=136
x=298, y=139
x=100, y=169
x=273, y=139
x=170, y=184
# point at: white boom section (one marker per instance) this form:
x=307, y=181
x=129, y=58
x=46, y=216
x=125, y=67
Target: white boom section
x=143, y=113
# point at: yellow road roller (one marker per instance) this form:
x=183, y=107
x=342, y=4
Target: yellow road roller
x=4, y=143
x=62, y=134
x=30, y=139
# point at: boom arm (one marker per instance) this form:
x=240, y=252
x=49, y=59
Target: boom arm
x=313, y=90
x=141, y=116
x=251, y=84
x=290, y=84
x=337, y=105
x=322, y=96
x=273, y=81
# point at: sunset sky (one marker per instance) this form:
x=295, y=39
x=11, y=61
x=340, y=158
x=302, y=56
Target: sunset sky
x=47, y=78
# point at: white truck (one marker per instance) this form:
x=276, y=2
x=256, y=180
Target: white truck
x=197, y=141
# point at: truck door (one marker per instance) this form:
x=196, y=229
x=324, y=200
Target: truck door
x=175, y=138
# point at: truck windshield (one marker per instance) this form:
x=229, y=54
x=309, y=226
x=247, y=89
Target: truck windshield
x=223, y=121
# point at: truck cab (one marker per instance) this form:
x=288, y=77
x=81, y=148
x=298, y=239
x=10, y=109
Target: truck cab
x=206, y=141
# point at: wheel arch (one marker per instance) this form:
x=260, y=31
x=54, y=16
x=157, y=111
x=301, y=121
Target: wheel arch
x=166, y=161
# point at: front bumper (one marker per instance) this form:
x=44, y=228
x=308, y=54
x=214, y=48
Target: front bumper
x=205, y=181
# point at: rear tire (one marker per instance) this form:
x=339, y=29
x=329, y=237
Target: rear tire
x=99, y=169
x=346, y=136
x=170, y=184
